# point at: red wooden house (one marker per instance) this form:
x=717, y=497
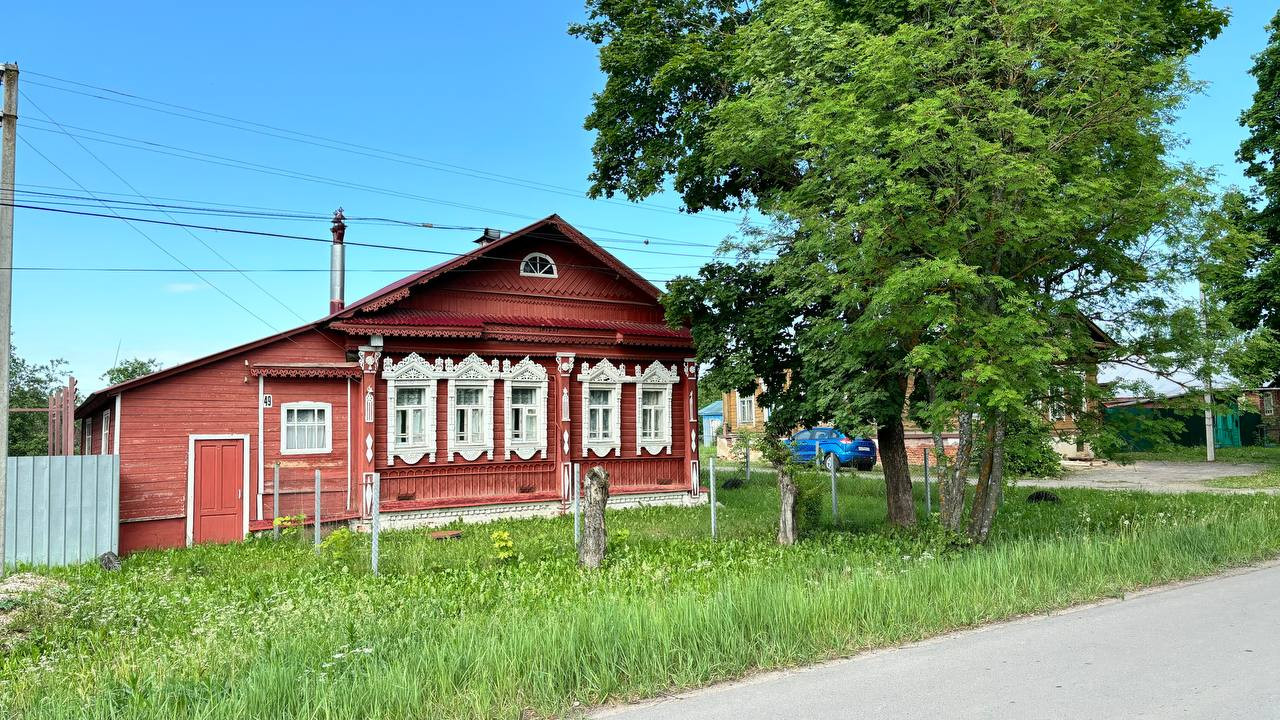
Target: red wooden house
x=470, y=387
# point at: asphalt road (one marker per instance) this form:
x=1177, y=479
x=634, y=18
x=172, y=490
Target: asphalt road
x=1204, y=650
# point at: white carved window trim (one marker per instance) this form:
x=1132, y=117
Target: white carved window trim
x=472, y=373
x=526, y=375
x=411, y=373
x=106, y=432
x=327, y=428
x=603, y=376
x=655, y=378
x=547, y=270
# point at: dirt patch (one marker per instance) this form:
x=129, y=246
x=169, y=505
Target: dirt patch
x=1151, y=476
x=18, y=592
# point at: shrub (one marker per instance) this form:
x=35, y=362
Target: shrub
x=809, y=496
x=339, y=545
x=504, y=549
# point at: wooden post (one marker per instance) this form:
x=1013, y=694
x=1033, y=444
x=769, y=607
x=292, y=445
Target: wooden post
x=591, y=549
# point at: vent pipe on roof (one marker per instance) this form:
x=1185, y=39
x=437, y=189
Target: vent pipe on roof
x=490, y=234
x=337, y=263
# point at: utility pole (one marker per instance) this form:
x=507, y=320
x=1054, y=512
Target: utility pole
x=8, y=147
x=1210, y=442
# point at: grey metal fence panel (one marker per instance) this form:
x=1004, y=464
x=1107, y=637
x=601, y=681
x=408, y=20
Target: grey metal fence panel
x=62, y=509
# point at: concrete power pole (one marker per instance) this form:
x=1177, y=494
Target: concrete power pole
x=8, y=147
x=1210, y=442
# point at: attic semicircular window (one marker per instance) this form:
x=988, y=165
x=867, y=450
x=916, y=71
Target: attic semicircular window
x=537, y=265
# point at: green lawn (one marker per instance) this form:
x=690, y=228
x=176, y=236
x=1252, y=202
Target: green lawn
x=1263, y=480
x=1252, y=454
x=269, y=630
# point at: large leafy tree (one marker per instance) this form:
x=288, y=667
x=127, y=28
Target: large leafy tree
x=1249, y=281
x=949, y=184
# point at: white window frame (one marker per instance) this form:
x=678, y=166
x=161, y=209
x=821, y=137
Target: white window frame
x=106, y=430
x=471, y=373
x=602, y=376
x=426, y=407
x=413, y=372
x=87, y=440
x=525, y=375
x=655, y=378
x=1268, y=403
x=750, y=400
x=542, y=256
x=328, y=427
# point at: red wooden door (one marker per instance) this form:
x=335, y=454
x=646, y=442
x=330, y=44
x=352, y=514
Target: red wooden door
x=219, y=482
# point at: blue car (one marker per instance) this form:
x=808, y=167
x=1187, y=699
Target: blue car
x=834, y=447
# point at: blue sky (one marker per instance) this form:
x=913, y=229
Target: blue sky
x=495, y=87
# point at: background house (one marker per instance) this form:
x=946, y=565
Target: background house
x=712, y=415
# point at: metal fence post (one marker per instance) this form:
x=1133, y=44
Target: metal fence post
x=377, y=509
x=275, y=503
x=835, y=505
x=577, y=506
x=712, y=482
x=928, y=496
x=747, y=461
x=817, y=455
x=316, y=527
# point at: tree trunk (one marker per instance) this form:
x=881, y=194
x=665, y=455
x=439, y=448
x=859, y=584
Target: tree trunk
x=984, y=509
x=787, y=506
x=897, y=474
x=596, y=496
x=955, y=480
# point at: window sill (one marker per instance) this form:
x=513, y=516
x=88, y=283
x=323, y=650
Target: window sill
x=318, y=451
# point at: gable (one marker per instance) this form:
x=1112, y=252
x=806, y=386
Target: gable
x=588, y=282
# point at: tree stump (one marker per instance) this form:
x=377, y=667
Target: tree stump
x=595, y=493
x=787, y=505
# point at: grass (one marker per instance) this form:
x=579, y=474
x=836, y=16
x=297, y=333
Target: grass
x=1250, y=454
x=1269, y=478
x=269, y=629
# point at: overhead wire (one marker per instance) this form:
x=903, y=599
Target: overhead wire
x=188, y=231
x=240, y=124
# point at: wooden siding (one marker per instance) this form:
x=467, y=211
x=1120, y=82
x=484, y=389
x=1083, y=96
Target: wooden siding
x=157, y=420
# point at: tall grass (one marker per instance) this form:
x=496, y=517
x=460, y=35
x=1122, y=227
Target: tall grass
x=269, y=630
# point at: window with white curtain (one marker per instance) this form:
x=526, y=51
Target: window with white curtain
x=600, y=415
x=524, y=415
x=653, y=415
x=469, y=416
x=410, y=417
x=305, y=427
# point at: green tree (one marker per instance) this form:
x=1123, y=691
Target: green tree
x=949, y=184
x=1249, y=282
x=130, y=369
x=30, y=385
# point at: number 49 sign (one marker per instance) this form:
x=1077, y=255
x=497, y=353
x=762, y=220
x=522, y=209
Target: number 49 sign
x=266, y=401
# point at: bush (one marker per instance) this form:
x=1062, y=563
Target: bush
x=809, y=496
x=1028, y=449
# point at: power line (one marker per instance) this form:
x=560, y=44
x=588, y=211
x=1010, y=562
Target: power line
x=345, y=146
x=160, y=270
x=188, y=231
x=149, y=239
x=287, y=236
x=224, y=161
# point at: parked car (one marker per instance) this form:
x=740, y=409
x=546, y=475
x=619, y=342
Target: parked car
x=835, y=448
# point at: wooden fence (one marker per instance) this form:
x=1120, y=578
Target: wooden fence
x=61, y=509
